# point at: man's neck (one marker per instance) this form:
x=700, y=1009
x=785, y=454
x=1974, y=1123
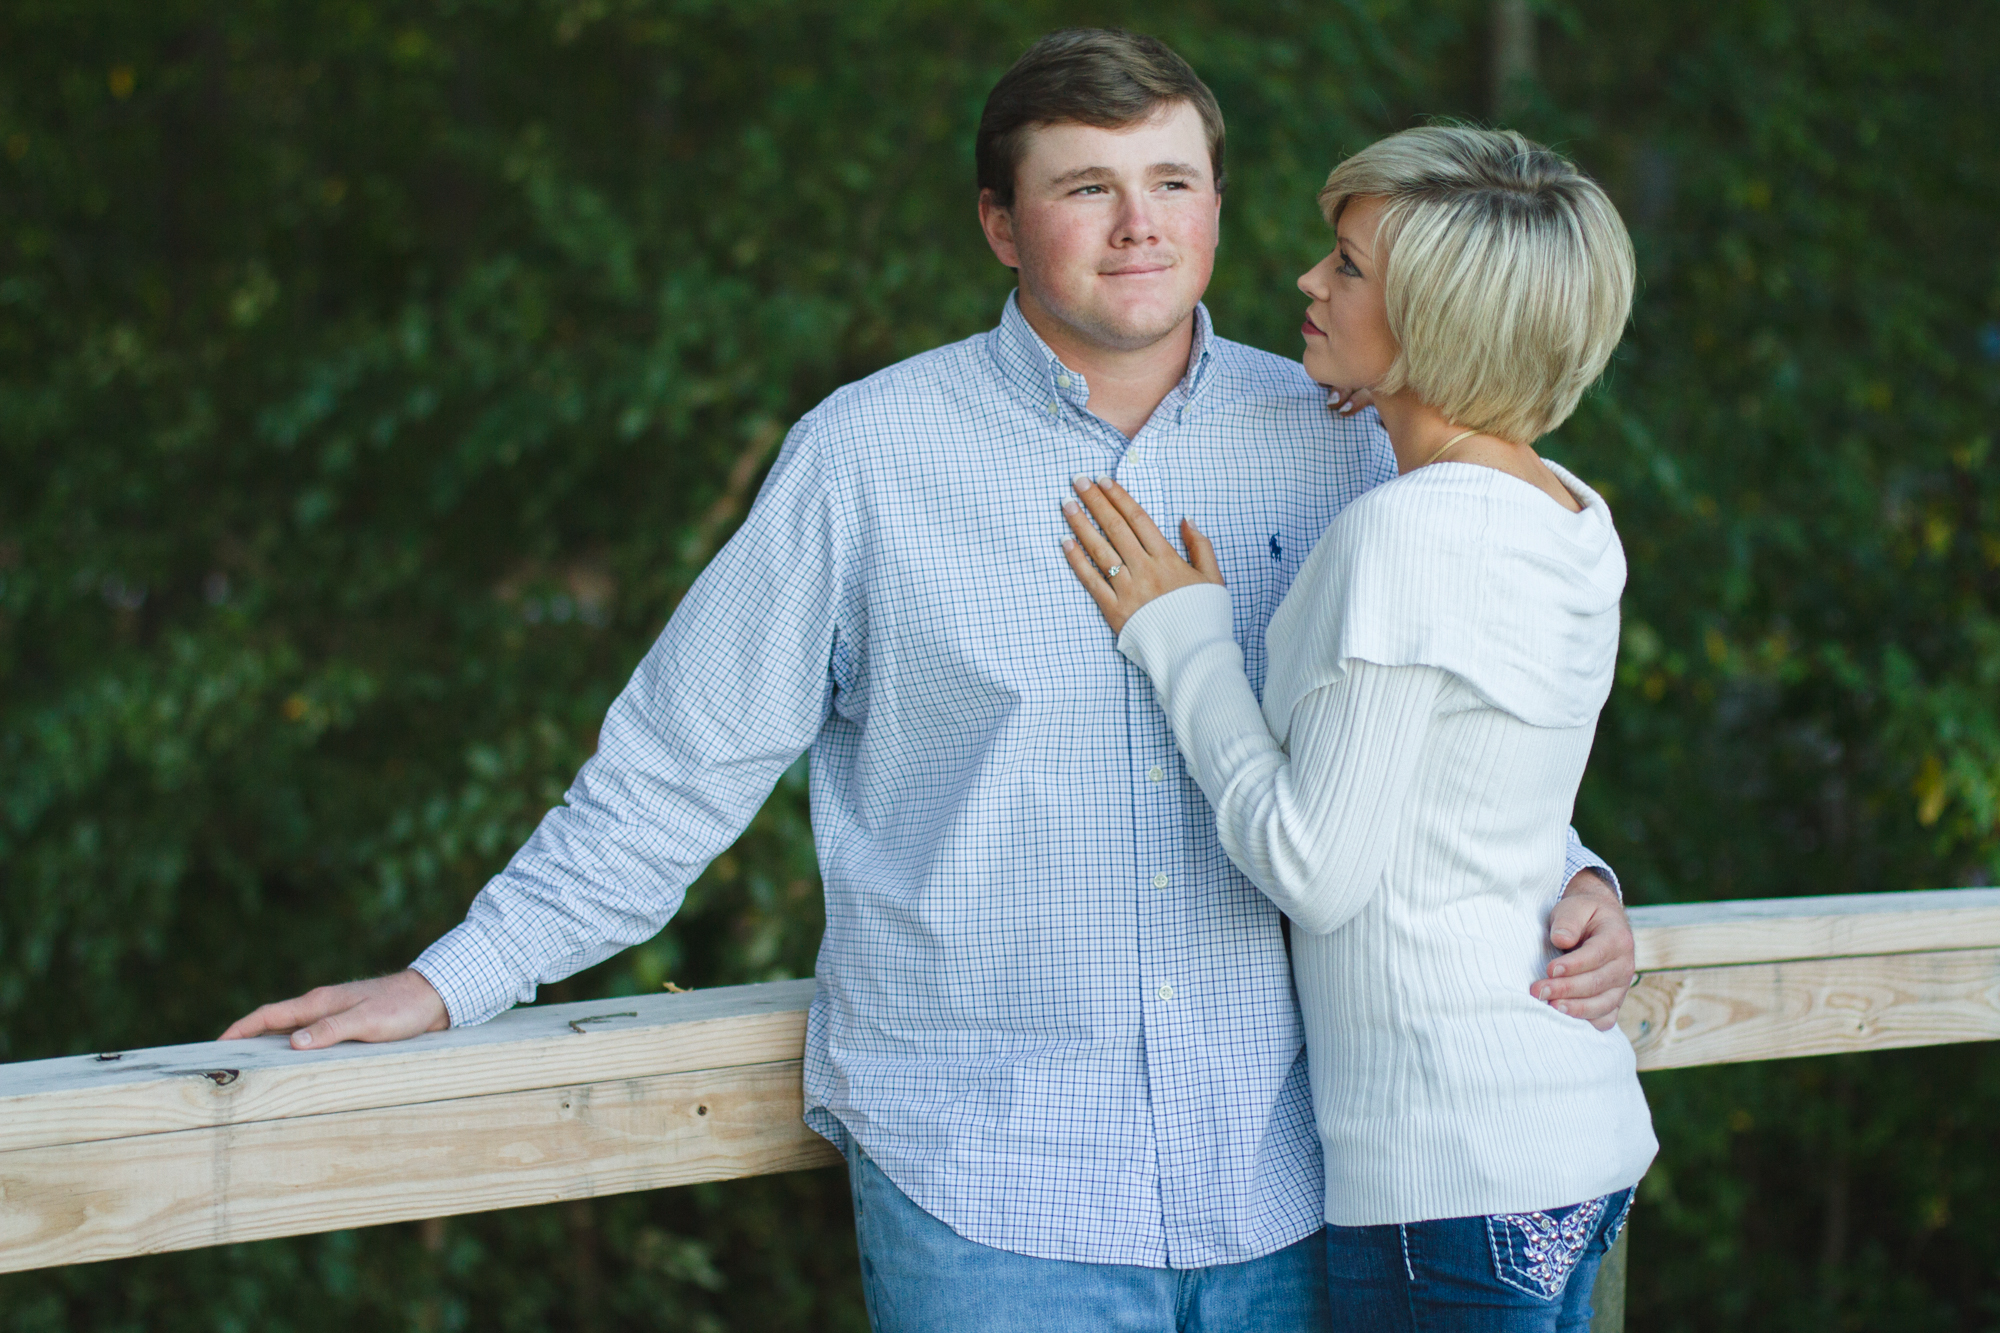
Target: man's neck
x=1125, y=385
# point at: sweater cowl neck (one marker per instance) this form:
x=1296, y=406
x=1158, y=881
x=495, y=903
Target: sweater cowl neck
x=1464, y=568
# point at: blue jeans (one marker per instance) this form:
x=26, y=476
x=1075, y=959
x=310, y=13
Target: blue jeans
x=1525, y=1273
x=920, y=1276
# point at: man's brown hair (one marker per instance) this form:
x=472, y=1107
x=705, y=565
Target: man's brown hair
x=1086, y=76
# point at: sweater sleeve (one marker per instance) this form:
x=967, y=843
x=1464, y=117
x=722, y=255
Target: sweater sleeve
x=1311, y=828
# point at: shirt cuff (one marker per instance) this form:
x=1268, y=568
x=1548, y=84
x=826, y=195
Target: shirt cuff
x=465, y=970
x=1165, y=629
x=1579, y=859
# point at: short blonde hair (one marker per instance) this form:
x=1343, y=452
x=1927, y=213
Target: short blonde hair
x=1507, y=272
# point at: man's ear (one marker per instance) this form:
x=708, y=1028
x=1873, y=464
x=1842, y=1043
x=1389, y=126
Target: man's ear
x=998, y=224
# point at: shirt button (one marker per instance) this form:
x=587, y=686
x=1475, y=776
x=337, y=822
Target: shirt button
x=1160, y=882
x=1062, y=381
x=1156, y=774
x=1165, y=992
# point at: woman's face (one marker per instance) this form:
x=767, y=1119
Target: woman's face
x=1348, y=343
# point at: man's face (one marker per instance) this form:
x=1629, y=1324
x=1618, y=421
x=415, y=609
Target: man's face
x=1113, y=231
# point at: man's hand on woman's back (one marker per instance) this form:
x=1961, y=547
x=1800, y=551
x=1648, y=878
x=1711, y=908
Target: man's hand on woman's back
x=389, y=1008
x=1598, y=962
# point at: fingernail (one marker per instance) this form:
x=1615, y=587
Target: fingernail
x=1072, y=507
x=1068, y=543
x=1082, y=483
x=1555, y=969
x=1104, y=481
x=301, y=1039
x=1562, y=1008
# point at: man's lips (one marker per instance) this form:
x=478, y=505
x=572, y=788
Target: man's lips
x=1312, y=330
x=1138, y=271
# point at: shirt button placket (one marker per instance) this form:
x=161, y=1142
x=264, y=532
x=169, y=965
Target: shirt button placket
x=1171, y=1026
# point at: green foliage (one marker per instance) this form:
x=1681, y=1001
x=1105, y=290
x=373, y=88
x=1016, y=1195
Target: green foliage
x=374, y=377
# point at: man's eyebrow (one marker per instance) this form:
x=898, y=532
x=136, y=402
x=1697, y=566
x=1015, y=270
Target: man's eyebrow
x=1092, y=175
x=1083, y=175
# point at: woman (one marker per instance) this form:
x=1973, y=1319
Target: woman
x=1435, y=675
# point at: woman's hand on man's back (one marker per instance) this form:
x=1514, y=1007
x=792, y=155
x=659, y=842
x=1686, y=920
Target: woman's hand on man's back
x=1598, y=959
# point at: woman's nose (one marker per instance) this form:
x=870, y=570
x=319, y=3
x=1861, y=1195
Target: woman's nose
x=1313, y=281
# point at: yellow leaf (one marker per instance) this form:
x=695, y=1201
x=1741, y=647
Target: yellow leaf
x=1930, y=790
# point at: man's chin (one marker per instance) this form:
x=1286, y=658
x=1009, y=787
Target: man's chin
x=1132, y=330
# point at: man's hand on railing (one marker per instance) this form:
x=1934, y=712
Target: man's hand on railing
x=389, y=1008
x=1599, y=959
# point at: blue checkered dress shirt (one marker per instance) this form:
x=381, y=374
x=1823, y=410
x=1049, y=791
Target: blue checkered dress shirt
x=1048, y=1006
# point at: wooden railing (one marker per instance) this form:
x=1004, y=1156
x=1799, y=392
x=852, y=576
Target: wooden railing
x=134, y=1152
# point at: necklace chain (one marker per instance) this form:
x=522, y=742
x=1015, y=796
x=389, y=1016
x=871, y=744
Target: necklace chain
x=1446, y=446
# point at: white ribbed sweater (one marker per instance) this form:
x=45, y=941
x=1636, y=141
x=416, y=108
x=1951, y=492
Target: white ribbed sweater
x=1404, y=795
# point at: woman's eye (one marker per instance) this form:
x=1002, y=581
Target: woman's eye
x=1347, y=268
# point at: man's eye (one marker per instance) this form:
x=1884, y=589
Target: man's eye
x=1089, y=189
x=1175, y=185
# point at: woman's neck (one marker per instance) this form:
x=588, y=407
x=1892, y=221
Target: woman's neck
x=1417, y=431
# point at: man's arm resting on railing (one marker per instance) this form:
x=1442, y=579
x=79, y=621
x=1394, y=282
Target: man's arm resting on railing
x=732, y=692
x=390, y=1008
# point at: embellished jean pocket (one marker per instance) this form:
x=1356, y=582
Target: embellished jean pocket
x=1620, y=1204
x=1536, y=1252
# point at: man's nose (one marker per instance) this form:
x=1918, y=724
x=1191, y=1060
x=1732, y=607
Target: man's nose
x=1135, y=220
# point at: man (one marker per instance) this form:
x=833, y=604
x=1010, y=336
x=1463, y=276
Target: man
x=1054, y=1029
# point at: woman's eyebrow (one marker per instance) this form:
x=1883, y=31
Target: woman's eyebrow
x=1346, y=242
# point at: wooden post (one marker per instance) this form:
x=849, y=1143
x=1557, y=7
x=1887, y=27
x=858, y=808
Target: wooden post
x=1607, y=1298
x=1513, y=55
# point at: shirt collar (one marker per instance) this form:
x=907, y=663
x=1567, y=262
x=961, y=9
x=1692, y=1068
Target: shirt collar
x=1026, y=362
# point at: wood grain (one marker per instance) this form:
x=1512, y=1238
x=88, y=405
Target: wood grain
x=1771, y=930
x=1769, y=1011
x=80, y=1202
x=80, y=1099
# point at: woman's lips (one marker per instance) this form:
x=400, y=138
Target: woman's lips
x=1312, y=330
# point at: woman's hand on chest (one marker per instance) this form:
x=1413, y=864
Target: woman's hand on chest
x=1121, y=557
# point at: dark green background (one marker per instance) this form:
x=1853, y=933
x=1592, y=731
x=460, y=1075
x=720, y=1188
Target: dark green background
x=374, y=377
